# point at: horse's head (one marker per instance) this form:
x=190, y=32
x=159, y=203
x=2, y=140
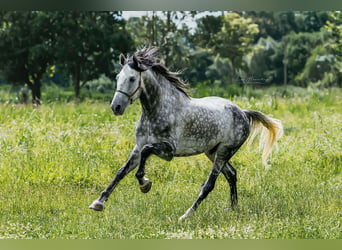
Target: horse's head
x=129, y=84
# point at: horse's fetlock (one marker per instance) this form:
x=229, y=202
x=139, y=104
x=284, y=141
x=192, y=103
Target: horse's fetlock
x=139, y=175
x=169, y=157
x=104, y=195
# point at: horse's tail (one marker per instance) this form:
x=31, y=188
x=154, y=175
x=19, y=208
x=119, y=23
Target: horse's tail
x=272, y=130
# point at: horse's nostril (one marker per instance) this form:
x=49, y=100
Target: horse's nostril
x=117, y=108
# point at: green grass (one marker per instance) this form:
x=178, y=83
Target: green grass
x=56, y=159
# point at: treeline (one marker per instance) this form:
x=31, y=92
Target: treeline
x=64, y=45
x=218, y=49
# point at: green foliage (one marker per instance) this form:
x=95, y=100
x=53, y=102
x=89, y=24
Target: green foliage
x=293, y=36
x=334, y=27
x=280, y=23
x=318, y=69
x=223, y=49
x=26, y=48
x=159, y=28
x=101, y=85
x=260, y=65
x=52, y=93
x=88, y=43
x=273, y=24
x=207, y=28
x=235, y=38
x=296, y=49
x=56, y=159
x=199, y=61
x=299, y=49
x=221, y=71
x=84, y=45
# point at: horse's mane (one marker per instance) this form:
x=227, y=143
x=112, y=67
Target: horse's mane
x=148, y=58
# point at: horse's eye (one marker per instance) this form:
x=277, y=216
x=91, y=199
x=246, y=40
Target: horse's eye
x=132, y=79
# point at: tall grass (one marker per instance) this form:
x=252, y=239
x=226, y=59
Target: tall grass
x=56, y=159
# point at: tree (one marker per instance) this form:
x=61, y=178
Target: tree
x=334, y=27
x=318, y=69
x=260, y=65
x=221, y=71
x=88, y=43
x=207, y=27
x=199, y=62
x=163, y=29
x=297, y=49
x=274, y=24
x=26, y=39
x=313, y=21
x=235, y=39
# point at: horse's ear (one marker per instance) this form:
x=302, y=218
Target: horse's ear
x=136, y=61
x=138, y=65
x=122, y=59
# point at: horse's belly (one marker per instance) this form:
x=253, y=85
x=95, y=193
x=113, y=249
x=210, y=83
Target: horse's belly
x=192, y=146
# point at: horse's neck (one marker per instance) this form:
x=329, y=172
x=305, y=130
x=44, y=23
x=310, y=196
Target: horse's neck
x=155, y=93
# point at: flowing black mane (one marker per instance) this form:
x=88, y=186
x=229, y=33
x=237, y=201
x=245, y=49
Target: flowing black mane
x=148, y=58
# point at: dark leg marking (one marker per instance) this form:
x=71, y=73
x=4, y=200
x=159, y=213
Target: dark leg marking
x=230, y=173
x=206, y=188
x=132, y=163
x=163, y=149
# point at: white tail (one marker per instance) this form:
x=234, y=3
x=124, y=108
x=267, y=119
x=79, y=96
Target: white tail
x=272, y=130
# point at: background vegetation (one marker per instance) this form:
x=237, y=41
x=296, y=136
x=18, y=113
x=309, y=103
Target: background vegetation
x=55, y=159
x=221, y=50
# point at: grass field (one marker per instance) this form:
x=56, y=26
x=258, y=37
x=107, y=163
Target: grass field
x=56, y=159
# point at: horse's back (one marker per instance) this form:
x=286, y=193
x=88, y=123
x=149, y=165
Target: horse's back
x=232, y=118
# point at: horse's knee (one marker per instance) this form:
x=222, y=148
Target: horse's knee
x=147, y=151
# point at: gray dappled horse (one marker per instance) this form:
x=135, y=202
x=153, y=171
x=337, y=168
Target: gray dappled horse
x=173, y=124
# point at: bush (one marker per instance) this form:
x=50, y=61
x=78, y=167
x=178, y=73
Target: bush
x=318, y=69
x=102, y=85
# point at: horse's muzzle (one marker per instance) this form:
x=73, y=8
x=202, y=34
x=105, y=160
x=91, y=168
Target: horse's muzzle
x=119, y=103
x=117, y=109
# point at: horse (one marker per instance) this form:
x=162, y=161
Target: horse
x=172, y=124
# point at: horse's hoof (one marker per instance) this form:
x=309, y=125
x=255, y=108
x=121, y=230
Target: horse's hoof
x=183, y=218
x=146, y=186
x=97, y=205
x=187, y=215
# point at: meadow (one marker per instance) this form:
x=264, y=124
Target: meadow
x=57, y=158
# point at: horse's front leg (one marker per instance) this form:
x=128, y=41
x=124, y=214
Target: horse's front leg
x=163, y=149
x=131, y=164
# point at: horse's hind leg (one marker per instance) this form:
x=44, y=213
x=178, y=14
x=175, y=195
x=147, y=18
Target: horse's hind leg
x=207, y=187
x=163, y=149
x=230, y=173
